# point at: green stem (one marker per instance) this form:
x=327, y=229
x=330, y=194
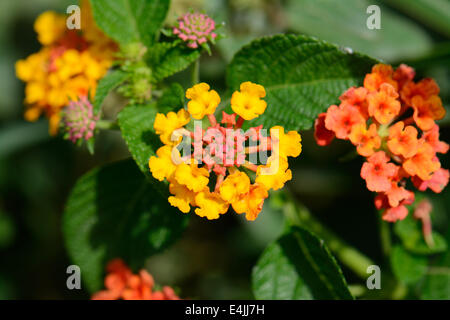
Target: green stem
x=297, y=214
x=385, y=237
x=107, y=125
x=196, y=72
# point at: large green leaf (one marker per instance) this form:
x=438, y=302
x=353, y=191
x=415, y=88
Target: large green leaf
x=166, y=59
x=136, y=124
x=408, y=267
x=114, y=212
x=275, y=277
x=107, y=84
x=128, y=21
x=298, y=266
x=302, y=76
x=345, y=23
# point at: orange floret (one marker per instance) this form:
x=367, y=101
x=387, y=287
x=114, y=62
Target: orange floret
x=426, y=111
x=383, y=104
x=403, y=140
x=432, y=138
x=425, y=88
x=365, y=140
x=252, y=202
x=381, y=73
x=424, y=163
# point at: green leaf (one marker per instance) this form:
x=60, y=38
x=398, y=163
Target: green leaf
x=408, y=267
x=166, y=59
x=172, y=98
x=136, y=124
x=436, y=285
x=128, y=21
x=298, y=266
x=275, y=277
x=107, y=84
x=345, y=23
x=113, y=212
x=302, y=82
x=433, y=13
x=409, y=231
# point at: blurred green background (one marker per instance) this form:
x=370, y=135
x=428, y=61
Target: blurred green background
x=214, y=259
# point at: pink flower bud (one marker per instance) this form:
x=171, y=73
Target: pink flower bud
x=195, y=29
x=78, y=120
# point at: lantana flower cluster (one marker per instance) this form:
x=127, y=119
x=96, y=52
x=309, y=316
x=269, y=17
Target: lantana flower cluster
x=122, y=284
x=195, y=29
x=68, y=66
x=219, y=166
x=391, y=121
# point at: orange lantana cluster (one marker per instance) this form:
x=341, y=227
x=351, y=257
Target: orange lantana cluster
x=391, y=121
x=122, y=284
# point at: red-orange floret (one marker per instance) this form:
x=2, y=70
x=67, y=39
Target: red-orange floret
x=378, y=172
x=341, y=119
x=322, y=135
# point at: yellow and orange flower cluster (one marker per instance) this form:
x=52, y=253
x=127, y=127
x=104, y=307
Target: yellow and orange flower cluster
x=68, y=66
x=122, y=284
x=391, y=121
x=218, y=171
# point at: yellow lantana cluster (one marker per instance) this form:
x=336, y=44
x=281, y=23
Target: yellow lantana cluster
x=213, y=168
x=68, y=66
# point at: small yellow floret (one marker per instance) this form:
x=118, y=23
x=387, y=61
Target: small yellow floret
x=165, y=125
x=182, y=198
x=234, y=185
x=203, y=101
x=210, y=205
x=247, y=103
x=274, y=174
x=50, y=27
x=288, y=144
x=191, y=176
x=162, y=166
